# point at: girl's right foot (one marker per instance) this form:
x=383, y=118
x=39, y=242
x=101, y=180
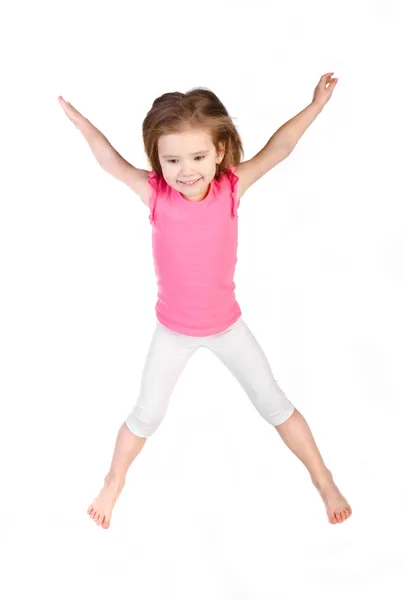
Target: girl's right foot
x=100, y=510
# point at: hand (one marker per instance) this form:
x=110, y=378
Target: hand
x=100, y=146
x=73, y=114
x=322, y=93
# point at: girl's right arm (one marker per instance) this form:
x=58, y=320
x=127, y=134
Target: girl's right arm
x=107, y=157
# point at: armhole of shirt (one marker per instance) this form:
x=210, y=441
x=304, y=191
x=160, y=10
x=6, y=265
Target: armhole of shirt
x=233, y=179
x=153, y=181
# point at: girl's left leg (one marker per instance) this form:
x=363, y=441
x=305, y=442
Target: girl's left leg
x=241, y=353
x=297, y=436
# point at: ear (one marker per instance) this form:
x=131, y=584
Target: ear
x=221, y=151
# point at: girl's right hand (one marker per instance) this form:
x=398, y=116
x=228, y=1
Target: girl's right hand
x=100, y=146
x=73, y=114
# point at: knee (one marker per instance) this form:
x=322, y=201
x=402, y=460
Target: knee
x=280, y=415
x=273, y=404
x=140, y=425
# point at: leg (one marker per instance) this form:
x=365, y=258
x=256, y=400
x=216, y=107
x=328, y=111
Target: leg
x=297, y=436
x=239, y=350
x=127, y=447
x=168, y=355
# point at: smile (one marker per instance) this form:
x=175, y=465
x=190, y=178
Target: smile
x=194, y=181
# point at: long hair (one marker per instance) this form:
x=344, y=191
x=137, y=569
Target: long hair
x=200, y=108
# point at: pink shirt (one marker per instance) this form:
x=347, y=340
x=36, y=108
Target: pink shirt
x=195, y=253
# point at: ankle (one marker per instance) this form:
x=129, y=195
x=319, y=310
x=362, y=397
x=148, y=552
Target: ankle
x=322, y=477
x=112, y=479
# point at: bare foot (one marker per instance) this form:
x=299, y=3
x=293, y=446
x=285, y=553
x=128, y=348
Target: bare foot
x=100, y=509
x=337, y=507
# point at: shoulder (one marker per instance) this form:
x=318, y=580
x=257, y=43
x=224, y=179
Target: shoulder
x=250, y=171
x=134, y=178
x=242, y=177
x=147, y=185
x=233, y=174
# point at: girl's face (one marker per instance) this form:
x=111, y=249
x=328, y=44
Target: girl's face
x=189, y=156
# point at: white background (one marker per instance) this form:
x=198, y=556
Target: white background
x=215, y=506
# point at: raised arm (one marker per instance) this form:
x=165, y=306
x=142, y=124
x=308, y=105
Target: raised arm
x=284, y=140
x=106, y=155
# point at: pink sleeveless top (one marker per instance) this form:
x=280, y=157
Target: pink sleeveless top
x=195, y=253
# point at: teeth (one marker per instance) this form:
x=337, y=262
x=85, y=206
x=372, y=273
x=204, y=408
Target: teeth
x=189, y=182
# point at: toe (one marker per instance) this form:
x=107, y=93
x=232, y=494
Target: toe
x=333, y=520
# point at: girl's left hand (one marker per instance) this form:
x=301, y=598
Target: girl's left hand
x=322, y=93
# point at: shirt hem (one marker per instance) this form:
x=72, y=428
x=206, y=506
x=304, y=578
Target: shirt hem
x=197, y=332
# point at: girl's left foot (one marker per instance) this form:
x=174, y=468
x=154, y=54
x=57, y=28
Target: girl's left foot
x=337, y=507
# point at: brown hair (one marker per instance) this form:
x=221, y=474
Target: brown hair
x=175, y=112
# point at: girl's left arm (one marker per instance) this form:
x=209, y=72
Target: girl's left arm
x=284, y=140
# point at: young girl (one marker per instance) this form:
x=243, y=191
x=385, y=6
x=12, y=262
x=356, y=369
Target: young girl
x=193, y=193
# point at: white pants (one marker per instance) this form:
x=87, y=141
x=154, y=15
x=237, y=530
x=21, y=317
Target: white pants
x=236, y=347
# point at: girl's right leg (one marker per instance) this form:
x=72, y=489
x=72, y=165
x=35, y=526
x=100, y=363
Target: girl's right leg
x=168, y=355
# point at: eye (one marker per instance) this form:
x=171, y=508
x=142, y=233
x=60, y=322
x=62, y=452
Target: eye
x=171, y=160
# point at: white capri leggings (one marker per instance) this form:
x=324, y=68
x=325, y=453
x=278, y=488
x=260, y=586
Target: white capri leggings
x=236, y=347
